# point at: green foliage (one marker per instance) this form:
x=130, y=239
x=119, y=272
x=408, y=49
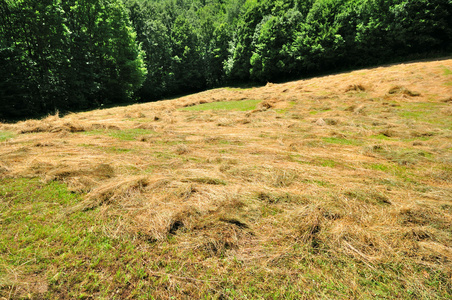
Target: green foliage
x=66, y=55
x=273, y=37
x=280, y=39
x=186, y=64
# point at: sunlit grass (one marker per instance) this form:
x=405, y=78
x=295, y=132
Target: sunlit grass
x=378, y=167
x=40, y=240
x=242, y=105
x=341, y=141
x=124, y=135
x=5, y=135
x=425, y=112
x=447, y=71
x=380, y=137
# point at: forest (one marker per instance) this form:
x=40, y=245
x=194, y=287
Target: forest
x=72, y=55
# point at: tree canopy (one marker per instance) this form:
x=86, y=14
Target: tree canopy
x=66, y=55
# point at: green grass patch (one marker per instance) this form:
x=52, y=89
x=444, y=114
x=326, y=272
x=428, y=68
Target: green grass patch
x=108, y=149
x=329, y=163
x=242, y=105
x=285, y=110
x=378, y=167
x=164, y=155
x=447, y=71
x=398, y=167
x=341, y=141
x=40, y=241
x=380, y=137
x=48, y=254
x=406, y=156
x=425, y=112
x=228, y=142
x=267, y=211
x=124, y=135
x=418, y=138
x=6, y=135
x=412, y=114
x=316, y=111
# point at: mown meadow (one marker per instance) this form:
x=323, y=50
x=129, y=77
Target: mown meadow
x=331, y=187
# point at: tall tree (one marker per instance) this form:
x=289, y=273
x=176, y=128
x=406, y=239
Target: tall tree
x=107, y=62
x=186, y=64
x=66, y=55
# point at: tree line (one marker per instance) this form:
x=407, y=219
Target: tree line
x=80, y=54
x=66, y=55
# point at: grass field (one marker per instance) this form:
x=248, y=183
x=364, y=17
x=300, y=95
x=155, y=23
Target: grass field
x=333, y=187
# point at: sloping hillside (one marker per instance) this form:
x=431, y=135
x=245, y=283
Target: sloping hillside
x=332, y=187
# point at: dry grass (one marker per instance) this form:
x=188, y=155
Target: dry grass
x=345, y=173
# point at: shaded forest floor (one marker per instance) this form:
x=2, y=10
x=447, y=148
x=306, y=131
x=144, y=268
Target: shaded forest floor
x=332, y=187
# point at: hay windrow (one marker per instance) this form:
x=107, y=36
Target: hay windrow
x=342, y=180
x=114, y=191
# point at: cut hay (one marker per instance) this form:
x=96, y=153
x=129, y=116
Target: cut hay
x=338, y=185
